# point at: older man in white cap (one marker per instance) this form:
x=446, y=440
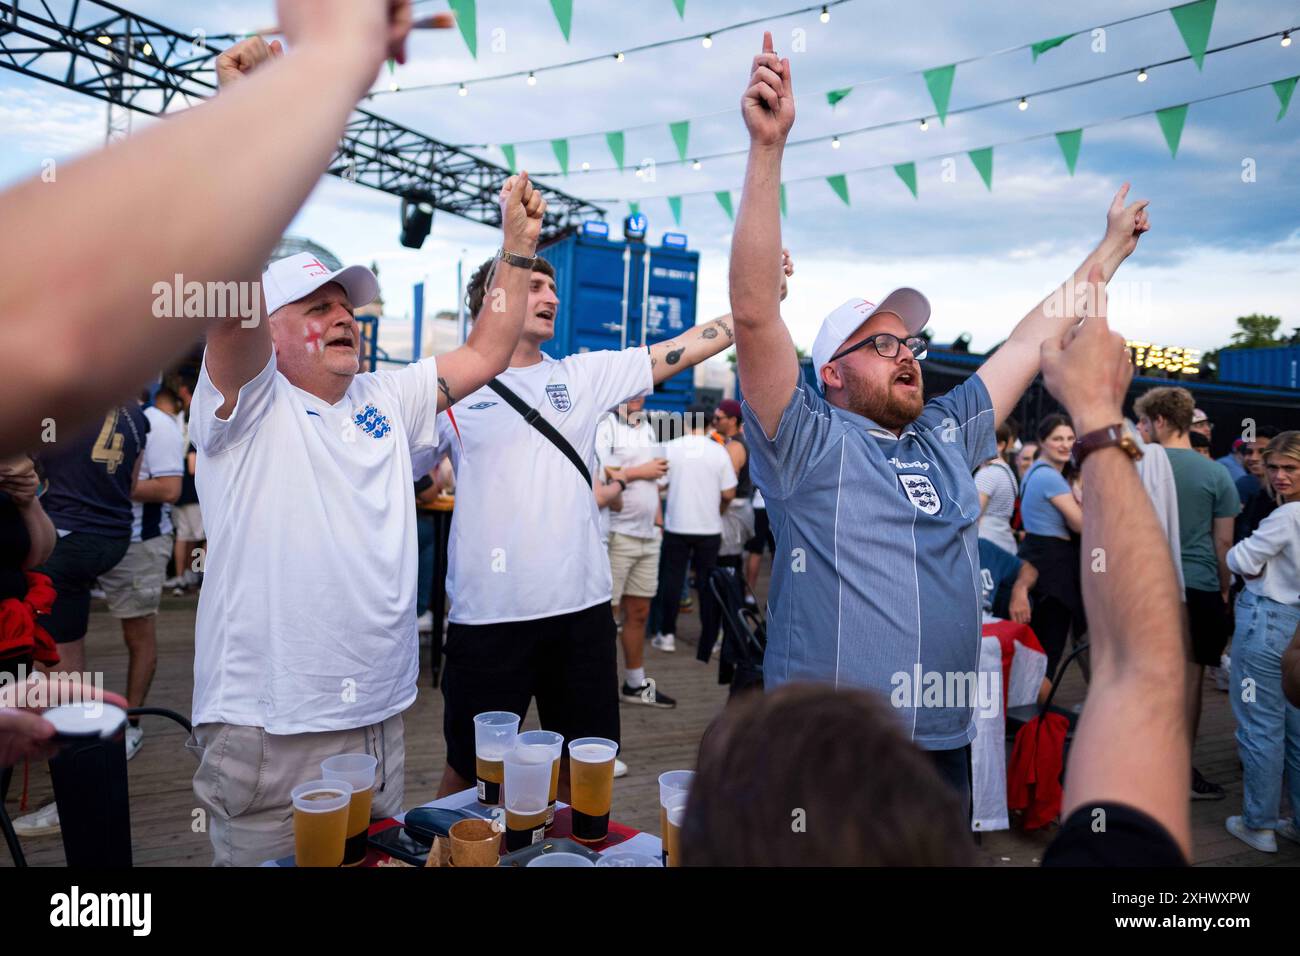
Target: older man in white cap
x=876, y=579
x=306, y=642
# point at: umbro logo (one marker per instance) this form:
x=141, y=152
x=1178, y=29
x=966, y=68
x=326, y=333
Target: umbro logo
x=480, y=406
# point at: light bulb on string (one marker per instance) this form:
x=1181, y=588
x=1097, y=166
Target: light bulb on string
x=925, y=124
x=708, y=40
x=835, y=142
x=532, y=78
x=697, y=165
x=464, y=90
x=826, y=15
x=1142, y=75
x=618, y=57
x=1024, y=104
x=1286, y=38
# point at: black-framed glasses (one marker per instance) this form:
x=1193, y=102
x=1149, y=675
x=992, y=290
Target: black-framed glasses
x=886, y=345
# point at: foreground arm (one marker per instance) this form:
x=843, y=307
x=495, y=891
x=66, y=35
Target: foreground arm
x=1010, y=369
x=1131, y=746
x=1020, y=609
x=765, y=355
x=79, y=293
x=166, y=490
x=18, y=479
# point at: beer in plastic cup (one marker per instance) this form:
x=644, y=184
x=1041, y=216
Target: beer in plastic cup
x=320, y=821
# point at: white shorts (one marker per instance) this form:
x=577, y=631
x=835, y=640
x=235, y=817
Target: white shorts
x=188, y=520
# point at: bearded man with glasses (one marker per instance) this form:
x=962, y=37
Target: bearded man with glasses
x=876, y=574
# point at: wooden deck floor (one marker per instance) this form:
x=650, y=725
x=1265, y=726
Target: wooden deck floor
x=653, y=741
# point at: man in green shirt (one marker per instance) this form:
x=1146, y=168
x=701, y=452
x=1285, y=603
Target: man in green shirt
x=1207, y=505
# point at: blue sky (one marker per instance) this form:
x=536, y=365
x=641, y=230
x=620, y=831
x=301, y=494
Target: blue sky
x=1219, y=247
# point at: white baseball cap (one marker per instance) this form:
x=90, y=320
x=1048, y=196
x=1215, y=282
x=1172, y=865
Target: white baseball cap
x=293, y=277
x=908, y=304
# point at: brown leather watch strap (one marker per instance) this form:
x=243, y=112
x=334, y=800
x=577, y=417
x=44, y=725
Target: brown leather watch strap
x=1105, y=438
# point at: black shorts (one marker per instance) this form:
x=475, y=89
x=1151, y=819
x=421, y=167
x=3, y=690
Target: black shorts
x=568, y=662
x=77, y=560
x=762, y=534
x=1210, y=625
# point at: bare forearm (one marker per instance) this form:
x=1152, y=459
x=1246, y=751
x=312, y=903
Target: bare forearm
x=155, y=490
x=242, y=164
x=755, y=282
x=691, y=348
x=40, y=529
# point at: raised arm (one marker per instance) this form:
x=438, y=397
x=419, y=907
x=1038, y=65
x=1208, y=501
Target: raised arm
x=765, y=353
x=79, y=293
x=1131, y=746
x=1010, y=369
x=684, y=351
x=486, y=352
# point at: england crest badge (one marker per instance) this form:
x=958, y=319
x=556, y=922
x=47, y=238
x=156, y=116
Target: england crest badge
x=559, y=397
x=921, y=492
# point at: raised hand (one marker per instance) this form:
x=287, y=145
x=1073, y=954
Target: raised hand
x=1125, y=224
x=244, y=57
x=768, y=103
x=1089, y=369
x=362, y=31
x=522, y=213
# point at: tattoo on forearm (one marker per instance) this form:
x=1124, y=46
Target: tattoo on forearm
x=653, y=362
x=442, y=387
x=709, y=333
x=674, y=356
x=726, y=327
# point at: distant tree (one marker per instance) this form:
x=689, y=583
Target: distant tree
x=1257, y=331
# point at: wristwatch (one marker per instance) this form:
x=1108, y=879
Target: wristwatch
x=514, y=259
x=1104, y=438
x=622, y=484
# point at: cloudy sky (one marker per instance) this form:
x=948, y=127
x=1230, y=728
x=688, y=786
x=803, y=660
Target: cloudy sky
x=1220, y=245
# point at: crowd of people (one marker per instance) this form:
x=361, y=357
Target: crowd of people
x=578, y=522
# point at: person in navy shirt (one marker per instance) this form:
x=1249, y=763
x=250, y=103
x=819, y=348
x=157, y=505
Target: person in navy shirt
x=868, y=487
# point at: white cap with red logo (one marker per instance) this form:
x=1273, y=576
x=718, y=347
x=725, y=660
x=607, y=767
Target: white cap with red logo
x=293, y=277
x=908, y=304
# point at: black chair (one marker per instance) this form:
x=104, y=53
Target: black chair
x=1017, y=717
x=744, y=638
x=103, y=836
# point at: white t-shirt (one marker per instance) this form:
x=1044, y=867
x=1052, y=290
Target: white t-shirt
x=699, y=470
x=620, y=445
x=306, y=619
x=164, y=457
x=525, y=533
x=996, y=480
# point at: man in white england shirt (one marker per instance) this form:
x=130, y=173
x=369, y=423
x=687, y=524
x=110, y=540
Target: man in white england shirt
x=306, y=643
x=626, y=442
x=528, y=577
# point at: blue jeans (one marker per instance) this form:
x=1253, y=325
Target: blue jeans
x=426, y=540
x=1268, y=728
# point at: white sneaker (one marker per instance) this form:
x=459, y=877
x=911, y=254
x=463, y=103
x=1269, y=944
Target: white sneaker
x=134, y=741
x=1221, y=673
x=664, y=642
x=176, y=582
x=43, y=822
x=97, y=594
x=620, y=768
x=1288, y=830
x=425, y=622
x=1262, y=840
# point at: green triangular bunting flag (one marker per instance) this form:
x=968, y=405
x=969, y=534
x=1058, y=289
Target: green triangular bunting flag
x=675, y=204
x=633, y=208
x=1194, y=21
x=1284, y=89
x=1069, y=140
x=939, y=82
x=841, y=186
x=783, y=199
x=681, y=8
x=724, y=200
x=509, y=152
x=681, y=136
x=834, y=96
x=564, y=14
x=1171, y=124
x=907, y=173
x=1043, y=46
x=615, y=141
x=561, y=147
x=983, y=160
x=467, y=20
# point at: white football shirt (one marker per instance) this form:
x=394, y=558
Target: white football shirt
x=699, y=470
x=306, y=619
x=164, y=457
x=525, y=533
x=620, y=445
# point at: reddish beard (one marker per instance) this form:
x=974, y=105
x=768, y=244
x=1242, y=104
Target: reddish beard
x=882, y=404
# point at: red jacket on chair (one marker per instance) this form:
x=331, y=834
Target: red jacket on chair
x=1034, y=774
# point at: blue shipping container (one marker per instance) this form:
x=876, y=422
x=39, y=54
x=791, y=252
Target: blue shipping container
x=1278, y=367
x=600, y=281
